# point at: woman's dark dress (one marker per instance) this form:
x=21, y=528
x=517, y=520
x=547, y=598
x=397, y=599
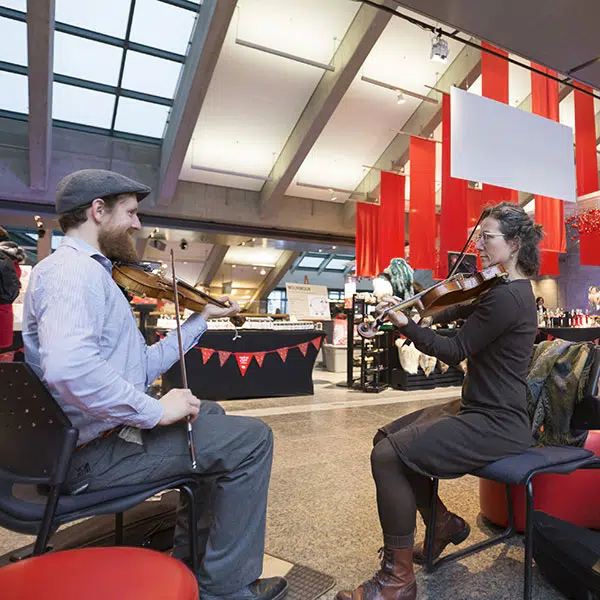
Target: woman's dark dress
x=491, y=420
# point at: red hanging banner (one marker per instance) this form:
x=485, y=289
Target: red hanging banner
x=494, y=85
x=367, y=233
x=243, y=361
x=391, y=218
x=549, y=263
x=206, y=354
x=453, y=220
x=587, y=171
x=283, y=352
x=422, y=228
x=259, y=357
x=549, y=212
x=303, y=348
x=316, y=342
x=223, y=356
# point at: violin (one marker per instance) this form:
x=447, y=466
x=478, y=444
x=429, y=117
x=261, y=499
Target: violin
x=457, y=289
x=135, y=279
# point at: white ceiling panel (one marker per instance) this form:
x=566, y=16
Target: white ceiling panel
x=255, y=99
x=363, y=125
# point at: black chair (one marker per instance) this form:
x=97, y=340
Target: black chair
x=521, y=470
x=36, y=444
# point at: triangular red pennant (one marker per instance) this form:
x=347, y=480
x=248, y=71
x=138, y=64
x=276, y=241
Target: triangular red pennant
x=206, y=354
x=260, y=358
x=303, y=348
x=316, y=343
x=223, y=356
x=282, y=353
x=243, y=361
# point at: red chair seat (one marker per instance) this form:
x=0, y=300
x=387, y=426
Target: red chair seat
x=572, y=498
x=99, y=574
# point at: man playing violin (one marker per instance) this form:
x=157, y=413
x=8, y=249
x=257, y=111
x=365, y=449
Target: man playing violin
x=81, y=338
x=488, y=423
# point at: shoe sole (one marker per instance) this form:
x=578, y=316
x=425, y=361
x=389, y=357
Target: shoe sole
x=282, y=593
x=459, y=538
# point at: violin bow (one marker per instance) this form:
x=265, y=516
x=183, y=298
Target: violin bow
x=190, y=435
x=464, y=250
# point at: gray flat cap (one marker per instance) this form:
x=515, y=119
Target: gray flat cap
x=81, y=188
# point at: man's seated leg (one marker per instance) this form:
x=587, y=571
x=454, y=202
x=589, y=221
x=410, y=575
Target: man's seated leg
x=236, y=453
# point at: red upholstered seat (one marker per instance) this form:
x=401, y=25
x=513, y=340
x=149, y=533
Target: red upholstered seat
x=99, y=574
x=572, y=498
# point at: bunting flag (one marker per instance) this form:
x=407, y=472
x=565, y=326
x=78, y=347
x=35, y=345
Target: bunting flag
x=422, y=225
x=243, y=361
x=494, y=85
x=317, y=342
x=587, y=171
x=303, y=348
x=391, y=218
x=367, y=233
x=206, y=354
x=283, y=352
x=259, y=357
x=549, y=212
x=453, y=220
x=7, y=356
x=223, y=356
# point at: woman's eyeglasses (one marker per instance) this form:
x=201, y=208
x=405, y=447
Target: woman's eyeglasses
x=486, y=236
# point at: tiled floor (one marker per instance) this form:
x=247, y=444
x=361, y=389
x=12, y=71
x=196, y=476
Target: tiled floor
x=322, y=510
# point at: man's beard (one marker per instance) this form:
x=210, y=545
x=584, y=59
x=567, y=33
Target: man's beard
x=117, y=245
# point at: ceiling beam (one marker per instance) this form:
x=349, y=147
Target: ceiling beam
x=269, y=283
x=363, y=33
x=40, y=53
x=463, y=71
x=212, y=265
x=207, y=40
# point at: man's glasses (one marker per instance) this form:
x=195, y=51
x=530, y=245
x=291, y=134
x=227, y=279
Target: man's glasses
x=486, y=236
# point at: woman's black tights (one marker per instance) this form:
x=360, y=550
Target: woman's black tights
x=400, y=491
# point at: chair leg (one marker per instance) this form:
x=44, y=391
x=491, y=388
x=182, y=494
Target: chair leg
x=41, y=541
x=510, y=525
x=528, y=541
x=432, y=521
x=193, y=524
x=119, y=529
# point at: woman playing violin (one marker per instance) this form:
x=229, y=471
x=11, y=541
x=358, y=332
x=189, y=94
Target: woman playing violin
x=490, y=420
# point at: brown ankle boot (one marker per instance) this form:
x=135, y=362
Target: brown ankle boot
x=394, y=581
x=449, y=529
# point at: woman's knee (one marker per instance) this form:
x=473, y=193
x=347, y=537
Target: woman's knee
x=383, y=456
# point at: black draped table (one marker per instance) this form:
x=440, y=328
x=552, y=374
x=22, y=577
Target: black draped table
x=571, y=334
x=287, y=358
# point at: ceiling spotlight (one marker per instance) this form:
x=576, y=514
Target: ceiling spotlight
x=439, y=49
x=333, y=247
x=262, y=272
x=254, y=268
x=320, y=250
x=401, y=99
x=233, y=266
x=183, y=244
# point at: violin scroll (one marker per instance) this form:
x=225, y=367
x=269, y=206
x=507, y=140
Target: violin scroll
x=368, y=329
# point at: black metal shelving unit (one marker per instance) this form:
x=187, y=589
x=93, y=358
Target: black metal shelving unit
x=374, y=357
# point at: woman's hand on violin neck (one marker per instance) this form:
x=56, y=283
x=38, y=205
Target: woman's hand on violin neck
x=397, y=318
x=212, y=311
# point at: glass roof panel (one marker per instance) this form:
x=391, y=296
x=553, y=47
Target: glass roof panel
x=13, y=41
x=108, y=17
x=144, y=73
x=15, y=4
x=78, y=105
x=142, y=118
x=148, y=27
x=15, y=94
x=86, y=59
x=311, y=262
x=337, y=264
